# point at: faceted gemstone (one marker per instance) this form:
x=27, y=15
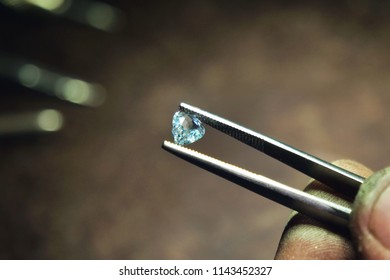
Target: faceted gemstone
x=186, y=129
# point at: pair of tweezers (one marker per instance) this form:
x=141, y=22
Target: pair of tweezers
x=307, y=204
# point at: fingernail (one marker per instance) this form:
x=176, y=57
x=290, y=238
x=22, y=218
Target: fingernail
x=379, y=224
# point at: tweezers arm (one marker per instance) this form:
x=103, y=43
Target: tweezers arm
x=307, y=204
x=325, y=172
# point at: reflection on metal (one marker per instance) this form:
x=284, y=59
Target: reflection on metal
x=42, y=121
x=95, y=14
x=66, y=88
x=29, y=75
x=102, y=16
x=49, y=120
x=61, y=86
x=52, y=6
x=79, y=92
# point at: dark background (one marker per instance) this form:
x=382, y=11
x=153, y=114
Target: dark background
x=314, y=74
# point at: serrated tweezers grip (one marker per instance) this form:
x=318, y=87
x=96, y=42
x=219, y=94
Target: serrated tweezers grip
x=307, y=204
x=338, y=178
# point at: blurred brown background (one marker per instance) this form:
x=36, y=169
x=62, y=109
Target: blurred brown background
x=314, y=74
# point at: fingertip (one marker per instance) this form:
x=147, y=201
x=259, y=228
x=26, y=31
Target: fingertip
x=354, y=167
x=370, y=223
x=307, y=239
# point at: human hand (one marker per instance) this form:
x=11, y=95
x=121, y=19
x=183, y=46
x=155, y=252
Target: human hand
x=369, y=234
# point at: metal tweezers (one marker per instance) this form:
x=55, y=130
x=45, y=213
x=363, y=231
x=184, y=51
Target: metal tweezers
x=307, y=204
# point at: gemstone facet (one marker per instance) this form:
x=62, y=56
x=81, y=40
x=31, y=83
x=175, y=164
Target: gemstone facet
x=186, y=129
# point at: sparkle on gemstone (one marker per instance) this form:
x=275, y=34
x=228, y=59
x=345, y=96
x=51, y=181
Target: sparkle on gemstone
x=186, y=129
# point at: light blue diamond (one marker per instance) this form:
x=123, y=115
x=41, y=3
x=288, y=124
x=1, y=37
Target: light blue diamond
x=186, y=129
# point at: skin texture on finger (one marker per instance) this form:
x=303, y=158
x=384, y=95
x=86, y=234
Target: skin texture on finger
x=371, y=217
x=306, y=238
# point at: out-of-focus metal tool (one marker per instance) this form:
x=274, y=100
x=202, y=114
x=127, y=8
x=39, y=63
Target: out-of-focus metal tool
x=300, y=201
x=95, y=14
x=38, y=78
x=34, y=122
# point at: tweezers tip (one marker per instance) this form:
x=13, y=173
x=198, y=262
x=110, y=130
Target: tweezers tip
x=171, y=147
x=184, y=106
x=165, y=144
x=180, y=150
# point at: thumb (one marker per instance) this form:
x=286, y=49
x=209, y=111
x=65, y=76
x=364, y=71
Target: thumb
x=371, y=217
